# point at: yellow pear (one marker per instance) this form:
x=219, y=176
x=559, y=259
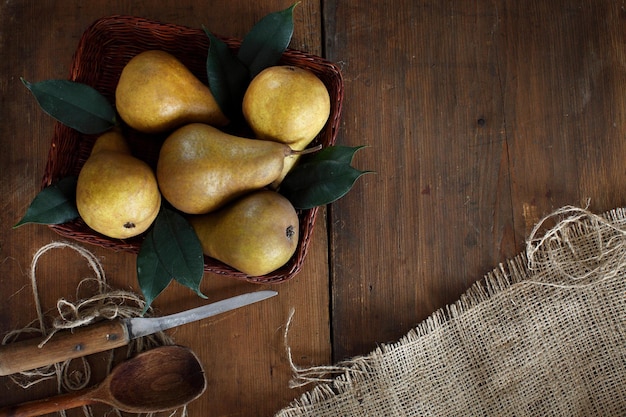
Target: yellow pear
x=112, y=140
x=116, y=194
x=201, y=168
x=286, y=104
x=157, y=93
x=255, y=234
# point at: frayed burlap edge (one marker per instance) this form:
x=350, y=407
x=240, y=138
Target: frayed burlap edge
x=572, y=223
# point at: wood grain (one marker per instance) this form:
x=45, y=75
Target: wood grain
x=481, y=118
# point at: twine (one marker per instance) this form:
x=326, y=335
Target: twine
x=105, y=304
x=602, y=253
x=302, y=376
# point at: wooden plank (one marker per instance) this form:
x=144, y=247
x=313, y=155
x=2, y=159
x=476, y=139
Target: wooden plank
x=562, y=78
x=243, y=352
x=423, y=92
x=481, y=118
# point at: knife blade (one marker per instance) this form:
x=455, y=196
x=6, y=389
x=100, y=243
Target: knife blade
x=30, y=354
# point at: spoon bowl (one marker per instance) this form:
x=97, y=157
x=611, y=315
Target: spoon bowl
x=159, y=379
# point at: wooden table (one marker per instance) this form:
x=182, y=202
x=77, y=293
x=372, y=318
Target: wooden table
x=480, y=118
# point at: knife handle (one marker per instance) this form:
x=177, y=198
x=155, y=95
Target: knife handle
x=26, y=354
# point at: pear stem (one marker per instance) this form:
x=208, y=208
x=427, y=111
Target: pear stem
x=306, y=151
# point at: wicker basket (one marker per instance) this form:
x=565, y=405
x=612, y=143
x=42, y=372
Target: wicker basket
x=105, y=47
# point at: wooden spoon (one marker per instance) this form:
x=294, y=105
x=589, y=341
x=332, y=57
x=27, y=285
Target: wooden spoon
x=159, y=379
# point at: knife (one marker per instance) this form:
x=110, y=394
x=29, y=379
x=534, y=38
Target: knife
x=27, y=354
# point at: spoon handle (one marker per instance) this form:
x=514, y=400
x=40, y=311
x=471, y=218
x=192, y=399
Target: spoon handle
x=49, y=405
x=27, y=354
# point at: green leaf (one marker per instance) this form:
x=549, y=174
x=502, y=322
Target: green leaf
x=228, y=77
x=339, y=153
x=170, y=251
x=152, y=276
x=317, y=183
x=266, y=42
x=54, y=204
x=74, y=104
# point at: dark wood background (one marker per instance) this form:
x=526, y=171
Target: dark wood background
x=480, y=117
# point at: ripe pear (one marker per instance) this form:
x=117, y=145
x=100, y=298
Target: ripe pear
x=286, y=104
x=113, y=141
x=201, y=168
x=157, y=93
x=116, y=194
x=255, y=234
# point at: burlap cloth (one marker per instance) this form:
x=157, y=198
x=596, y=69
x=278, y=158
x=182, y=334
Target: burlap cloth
x=542, y=335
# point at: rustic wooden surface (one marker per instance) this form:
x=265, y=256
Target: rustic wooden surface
x=480, y=117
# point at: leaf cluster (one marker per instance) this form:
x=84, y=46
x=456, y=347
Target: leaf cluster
x=322, y=178
x=230, y=73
